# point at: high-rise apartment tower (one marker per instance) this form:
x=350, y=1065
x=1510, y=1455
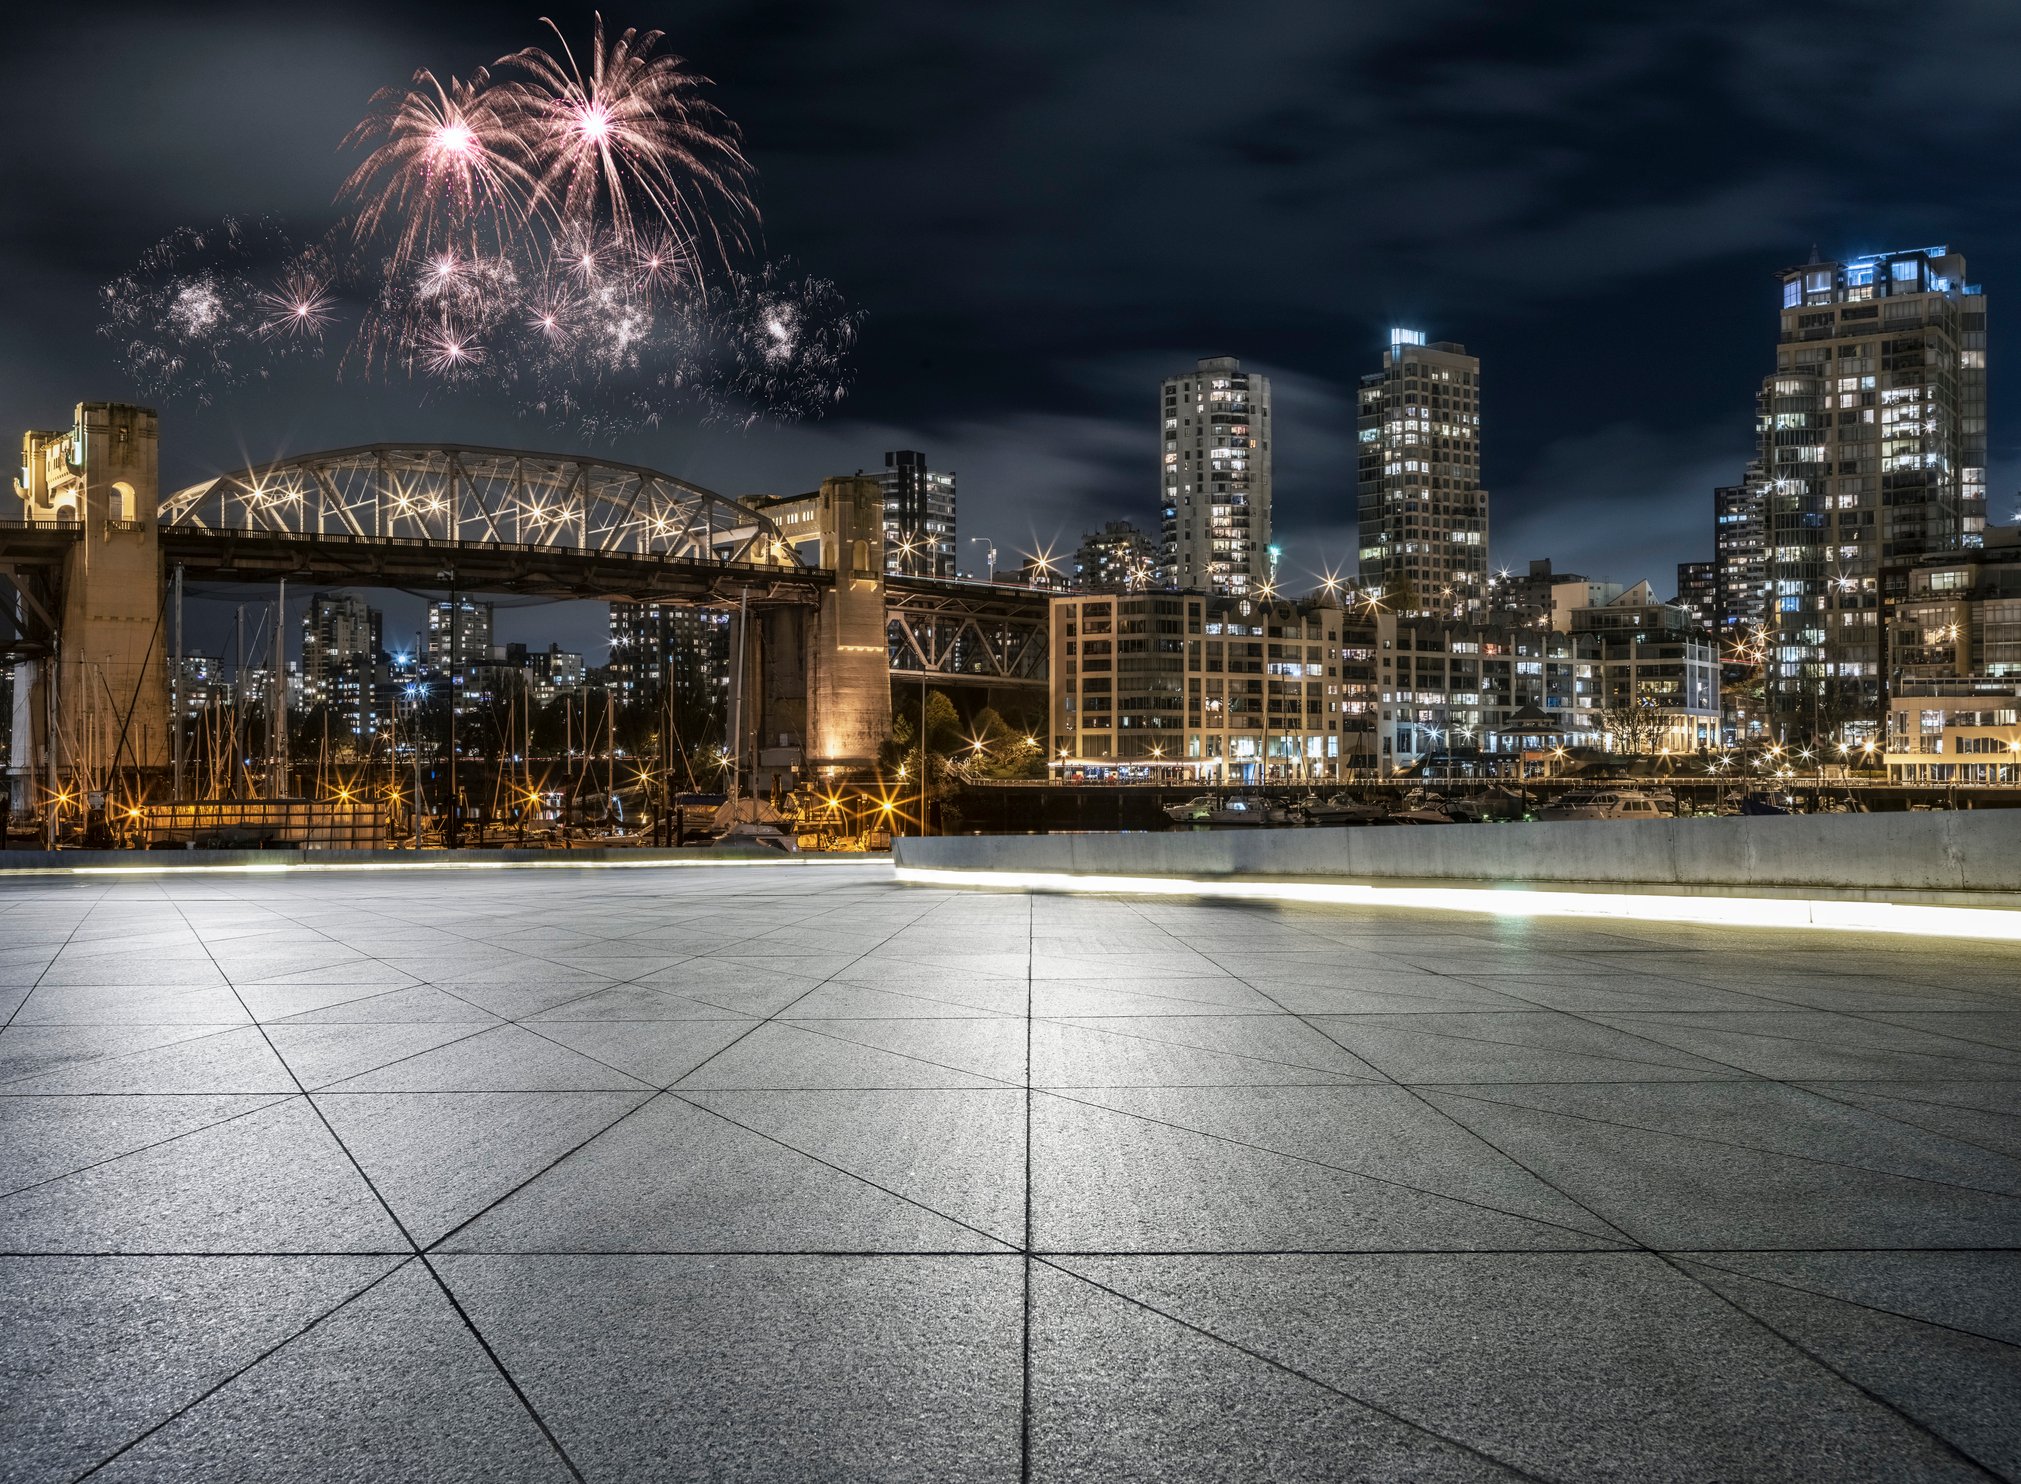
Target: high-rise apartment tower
x=1215, y=471
x=1740, y=554
x=1424, y=515
x=1873, y=442
x=918, y=516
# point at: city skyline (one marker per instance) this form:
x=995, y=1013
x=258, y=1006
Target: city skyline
x=1509, y=125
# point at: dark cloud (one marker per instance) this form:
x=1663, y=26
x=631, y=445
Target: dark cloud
x=1042, y=208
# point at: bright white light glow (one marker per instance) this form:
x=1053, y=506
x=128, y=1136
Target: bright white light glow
x=1780, y=912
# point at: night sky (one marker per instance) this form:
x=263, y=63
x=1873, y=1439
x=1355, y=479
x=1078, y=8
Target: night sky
x=1043, y=209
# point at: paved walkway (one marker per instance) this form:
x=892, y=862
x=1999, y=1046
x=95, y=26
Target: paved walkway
x=781, y=1174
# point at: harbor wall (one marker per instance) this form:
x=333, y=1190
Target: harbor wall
x=1924, y=857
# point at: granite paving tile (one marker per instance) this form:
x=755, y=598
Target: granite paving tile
x=95, y=1351
x=763, y=1368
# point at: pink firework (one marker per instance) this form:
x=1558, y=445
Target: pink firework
x=299, y=306
x=631, y=141
x=447, y=167
x=448, y=352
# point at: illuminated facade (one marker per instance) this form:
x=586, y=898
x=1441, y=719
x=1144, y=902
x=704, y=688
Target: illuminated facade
x=660, y=645
x=1423, y=513
x=1215, y=478
x=1873, y=444
x=1698, y=593
x=1740, y=554
x=919, y=538
x=1119, y=558
x=467, y=643
x=342, y=656
x=1225, y=689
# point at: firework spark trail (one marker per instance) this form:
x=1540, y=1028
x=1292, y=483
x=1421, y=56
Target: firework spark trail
x=448, y=171
x=631, y=142
x=567, y=238
x=188, y=318
x=301, y=304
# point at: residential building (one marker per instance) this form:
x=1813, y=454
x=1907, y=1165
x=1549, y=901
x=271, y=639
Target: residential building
x=1116, y=559
x=1215, y=475
x=1423, y=513
x=1527, y=598
x=919, y=516
x=1954, y=666
x=1740, y=554
x=549, y=674
x=1220, y=688
x=1954, y=731
x=654, y=646
x=466, y=643
x=1959, y=615
x=1698, y=593
x=1044, y=571
x=1659, y=673
x=1507, y=692
x=202, y=681
x=343, y=660
x=1873, y=443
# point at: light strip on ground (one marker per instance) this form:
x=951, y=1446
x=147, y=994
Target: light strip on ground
x=1724, y=911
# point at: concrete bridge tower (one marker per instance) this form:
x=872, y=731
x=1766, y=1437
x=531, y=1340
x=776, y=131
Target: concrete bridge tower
x=97, y=710
x=849, y=670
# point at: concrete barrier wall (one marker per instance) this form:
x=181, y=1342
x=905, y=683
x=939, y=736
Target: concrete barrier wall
x=1916, y=854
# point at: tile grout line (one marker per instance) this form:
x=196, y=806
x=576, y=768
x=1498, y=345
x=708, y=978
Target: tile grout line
x=1288, y=1369
x=1748, y=1315
x=1701, y=1260
x=1426, y=1102
x=1672, y=1265
x=1690, y=1138
x=267, y=1354
x=655, y=1094
x=525, y=1402
x=1025, y=1336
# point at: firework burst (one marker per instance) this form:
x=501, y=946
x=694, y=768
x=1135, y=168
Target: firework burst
x=447, y=168
x=568, y=230
x=630, y=142
x=302, y=304
x=187, y=318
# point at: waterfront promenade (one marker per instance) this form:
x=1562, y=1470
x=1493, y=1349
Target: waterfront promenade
x=792, y=1172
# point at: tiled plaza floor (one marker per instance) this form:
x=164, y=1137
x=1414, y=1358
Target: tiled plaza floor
x=784, y=1174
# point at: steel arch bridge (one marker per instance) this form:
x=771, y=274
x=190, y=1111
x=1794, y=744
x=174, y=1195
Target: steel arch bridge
x=456, y=495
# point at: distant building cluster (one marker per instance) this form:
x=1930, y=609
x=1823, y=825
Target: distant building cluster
x=361, y=689
x=1855, y=600
x=1254, y=689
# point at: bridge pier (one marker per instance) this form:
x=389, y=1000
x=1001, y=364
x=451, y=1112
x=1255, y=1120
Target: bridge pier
x=848, y=697
x=95, y=710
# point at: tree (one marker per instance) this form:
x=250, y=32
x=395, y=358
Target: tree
x=1635, y=725
x=1004, y=751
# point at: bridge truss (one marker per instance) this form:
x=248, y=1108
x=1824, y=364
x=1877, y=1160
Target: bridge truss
x=967, y=630
x=455, y=495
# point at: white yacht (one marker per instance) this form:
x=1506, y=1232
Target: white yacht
x=1340, y=809
x=1603, y=803
x=1221, y=813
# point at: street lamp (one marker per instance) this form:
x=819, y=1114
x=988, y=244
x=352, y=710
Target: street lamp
x=989, y=552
